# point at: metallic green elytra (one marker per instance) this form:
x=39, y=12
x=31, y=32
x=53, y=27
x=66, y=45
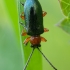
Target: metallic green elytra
x=33, y=17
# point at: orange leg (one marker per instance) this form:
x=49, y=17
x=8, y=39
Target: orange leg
x=46, y=30
x=43, y=39
x=44, y=13
x=22, y=15
x=24, y=33
x=26, y=40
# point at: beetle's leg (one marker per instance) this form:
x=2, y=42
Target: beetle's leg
x=46, y=30
x=44, y=13
x=26, y=40
x=24, y=33
x=22, y=24
x=43, y=39
x=22, y=15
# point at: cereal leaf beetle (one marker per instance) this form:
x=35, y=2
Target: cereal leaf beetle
x=33, y=16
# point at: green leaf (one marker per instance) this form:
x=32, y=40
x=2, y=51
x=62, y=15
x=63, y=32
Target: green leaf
x=10, y=48
x=65, y=6
x=65, y=25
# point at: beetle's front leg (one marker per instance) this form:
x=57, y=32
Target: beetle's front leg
x=43, y=39
x=44, y=13
x=26, y=40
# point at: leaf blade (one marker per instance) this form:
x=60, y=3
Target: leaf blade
x=65, y=6
x=65, y=25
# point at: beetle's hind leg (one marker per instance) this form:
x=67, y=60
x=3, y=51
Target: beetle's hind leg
x=44, y=13
x=23, y=33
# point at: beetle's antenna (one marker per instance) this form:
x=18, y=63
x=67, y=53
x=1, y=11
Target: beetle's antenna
x=29, y=59
x=46, y=58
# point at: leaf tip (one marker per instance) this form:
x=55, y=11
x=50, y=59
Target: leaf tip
x=58, y=25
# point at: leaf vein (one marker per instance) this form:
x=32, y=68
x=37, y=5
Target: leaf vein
x=65, y=2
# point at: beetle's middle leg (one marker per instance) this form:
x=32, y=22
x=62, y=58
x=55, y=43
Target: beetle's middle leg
x=22, y=16
x=46, y=30
x=24, y=33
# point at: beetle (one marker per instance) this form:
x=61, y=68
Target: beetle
x=33, y=16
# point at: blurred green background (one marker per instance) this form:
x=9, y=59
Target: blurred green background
x=56, y=49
